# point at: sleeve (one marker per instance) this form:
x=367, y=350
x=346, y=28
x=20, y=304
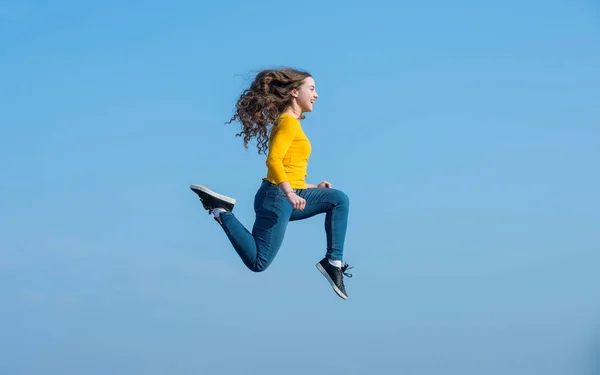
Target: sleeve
x=283, y=137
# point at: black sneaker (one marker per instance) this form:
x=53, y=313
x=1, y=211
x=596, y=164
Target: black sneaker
x=211, y=200
x=335, y=276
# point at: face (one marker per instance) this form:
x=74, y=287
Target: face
x=306, y=94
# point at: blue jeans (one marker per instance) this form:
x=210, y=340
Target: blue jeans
x=273, y=212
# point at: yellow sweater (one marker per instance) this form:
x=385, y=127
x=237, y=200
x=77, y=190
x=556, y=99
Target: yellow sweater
x=289, y=150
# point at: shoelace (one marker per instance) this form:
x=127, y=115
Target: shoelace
x=346, y=267
x=206, y=207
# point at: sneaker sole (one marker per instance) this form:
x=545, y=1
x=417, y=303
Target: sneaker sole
x=212, y=194
x=335, y=288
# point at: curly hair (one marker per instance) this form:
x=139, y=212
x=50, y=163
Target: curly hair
x=259, y=106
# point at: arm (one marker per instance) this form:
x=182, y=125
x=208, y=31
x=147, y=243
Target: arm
x=284, y=135
x=286, y=188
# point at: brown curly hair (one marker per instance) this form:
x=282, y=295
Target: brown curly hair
x=259, y=106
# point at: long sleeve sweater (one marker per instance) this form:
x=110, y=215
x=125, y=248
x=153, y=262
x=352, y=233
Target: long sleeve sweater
x=289, y=151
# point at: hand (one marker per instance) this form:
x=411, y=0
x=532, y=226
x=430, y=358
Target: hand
x=324, y=184
x=297, y=202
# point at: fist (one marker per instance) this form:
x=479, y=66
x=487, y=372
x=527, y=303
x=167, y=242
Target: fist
x=324, y=184
x=297, y=202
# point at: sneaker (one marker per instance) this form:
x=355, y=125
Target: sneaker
x=211, y=200
x=335, y=276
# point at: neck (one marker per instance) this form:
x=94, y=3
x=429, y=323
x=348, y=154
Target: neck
x=294, y=110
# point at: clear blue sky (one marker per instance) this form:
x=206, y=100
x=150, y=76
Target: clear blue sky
x=466, y=135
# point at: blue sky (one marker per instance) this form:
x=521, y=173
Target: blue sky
x=467, y=136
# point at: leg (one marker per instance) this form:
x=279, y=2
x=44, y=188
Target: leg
x=257, y=249
x=335, y=204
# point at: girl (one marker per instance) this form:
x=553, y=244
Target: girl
x=270, y=111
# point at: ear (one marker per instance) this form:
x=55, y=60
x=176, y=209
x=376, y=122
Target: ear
x=294, y=93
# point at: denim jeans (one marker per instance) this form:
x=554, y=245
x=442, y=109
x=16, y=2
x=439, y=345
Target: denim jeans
x=273, y=212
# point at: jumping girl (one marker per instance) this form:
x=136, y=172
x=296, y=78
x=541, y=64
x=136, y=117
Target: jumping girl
x=270, y=110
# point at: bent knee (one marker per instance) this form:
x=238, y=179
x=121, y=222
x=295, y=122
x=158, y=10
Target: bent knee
x=342, y=198
x=258, y=267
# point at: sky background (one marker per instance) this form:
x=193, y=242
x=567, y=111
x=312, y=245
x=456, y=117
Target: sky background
x=466, y=134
